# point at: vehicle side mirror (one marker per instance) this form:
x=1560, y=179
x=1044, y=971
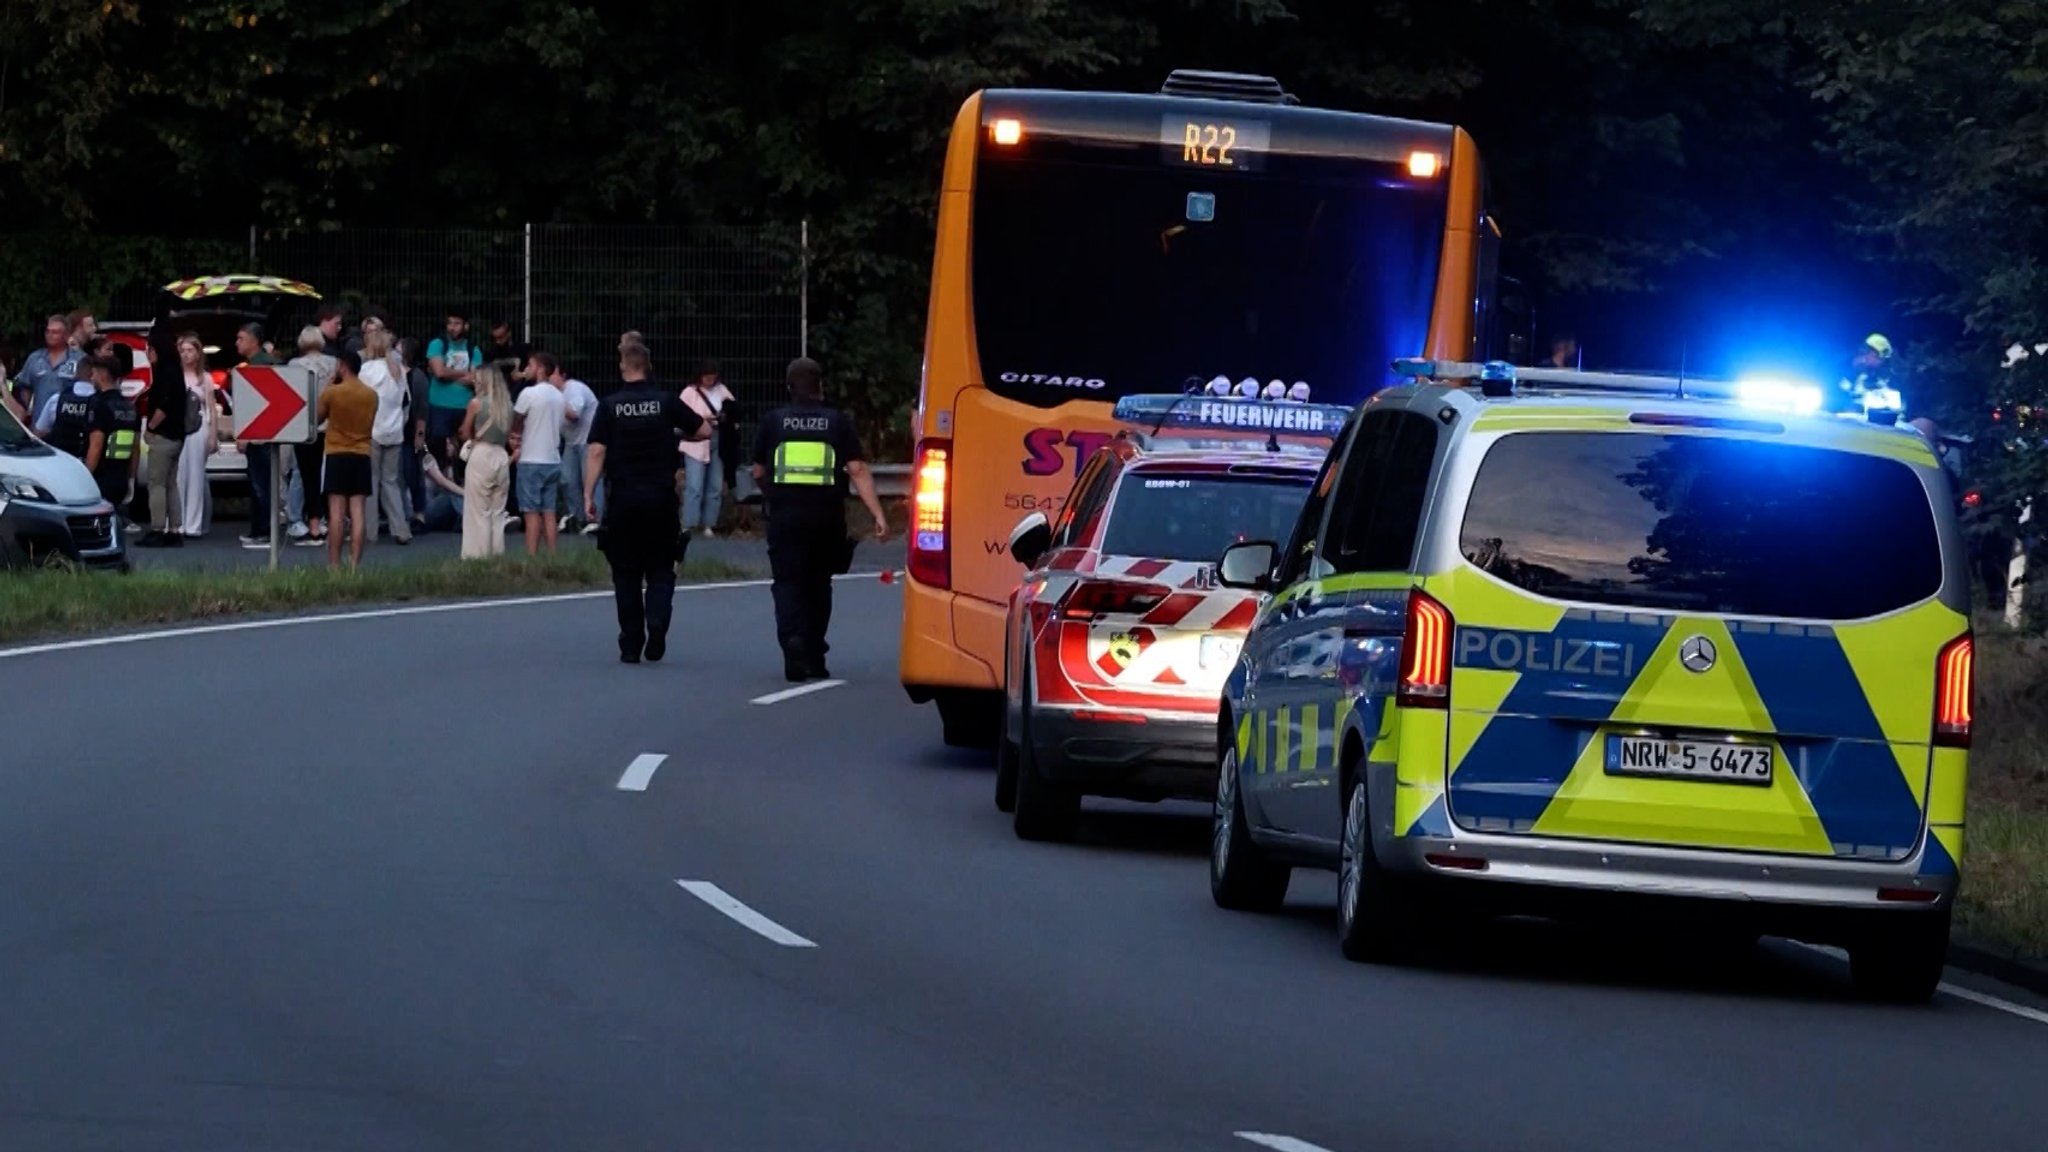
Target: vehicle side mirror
x=1030, y=539
x=1248, y=566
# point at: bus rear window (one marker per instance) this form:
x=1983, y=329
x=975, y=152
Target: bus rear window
x=1703, y=524
x=1195, y=516
x=1096, y=280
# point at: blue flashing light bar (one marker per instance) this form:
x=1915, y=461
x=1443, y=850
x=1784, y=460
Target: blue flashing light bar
x=1295, y=418
x=1763, y=393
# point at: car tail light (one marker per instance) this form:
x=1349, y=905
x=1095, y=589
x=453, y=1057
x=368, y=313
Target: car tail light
x=1425, y=654
x=931, y=546
x=1112, y=598
x=1907, y=895
x=1955, y=677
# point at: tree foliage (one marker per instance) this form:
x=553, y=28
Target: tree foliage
x=1644, y=154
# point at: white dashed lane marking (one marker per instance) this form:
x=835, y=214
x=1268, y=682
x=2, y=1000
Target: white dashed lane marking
x=746, y=917
x=799, y=690
x=1279, y=1143
x=640, y=771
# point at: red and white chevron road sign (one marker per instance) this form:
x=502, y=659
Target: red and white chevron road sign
x=273, y=403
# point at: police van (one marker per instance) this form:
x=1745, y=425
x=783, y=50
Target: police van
x=1548, y=639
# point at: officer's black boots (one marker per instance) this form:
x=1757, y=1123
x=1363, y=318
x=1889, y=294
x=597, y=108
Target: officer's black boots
x=657, y=647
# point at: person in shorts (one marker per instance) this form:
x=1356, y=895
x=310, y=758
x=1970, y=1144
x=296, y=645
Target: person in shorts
x=537, y=422
x=349, y=409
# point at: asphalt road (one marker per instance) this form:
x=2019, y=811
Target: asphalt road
x=375, y=884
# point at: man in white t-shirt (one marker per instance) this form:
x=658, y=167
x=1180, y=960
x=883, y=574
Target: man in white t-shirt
x=579, y=408
x=537, y=421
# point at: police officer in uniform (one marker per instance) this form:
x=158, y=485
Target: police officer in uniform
x=113, y=426
x=67, y=421
x=633, y=451
x=804, y=454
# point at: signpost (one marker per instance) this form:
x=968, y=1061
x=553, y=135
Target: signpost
x=274, y=405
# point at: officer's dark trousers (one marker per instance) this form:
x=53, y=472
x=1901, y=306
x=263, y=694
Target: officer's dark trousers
x=640, y=543
x=803, y=555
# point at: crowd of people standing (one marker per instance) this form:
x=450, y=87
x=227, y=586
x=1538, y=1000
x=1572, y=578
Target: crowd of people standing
x=453, y=434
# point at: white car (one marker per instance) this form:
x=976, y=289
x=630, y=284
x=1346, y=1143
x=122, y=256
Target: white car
x=50, y=508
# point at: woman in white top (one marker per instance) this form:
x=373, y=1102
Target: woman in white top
x=386, y=377
x=703, y=477
x=194, y=502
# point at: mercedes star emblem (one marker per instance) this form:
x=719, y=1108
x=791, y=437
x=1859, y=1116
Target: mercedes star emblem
x=1697, y=654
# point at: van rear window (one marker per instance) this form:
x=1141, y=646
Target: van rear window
x=1703, y=524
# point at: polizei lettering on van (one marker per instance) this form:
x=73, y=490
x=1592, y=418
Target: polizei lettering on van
x=1054, y=380
x=1276, y=417
x=1505, y=651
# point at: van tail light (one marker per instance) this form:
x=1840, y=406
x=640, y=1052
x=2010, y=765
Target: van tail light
x=1955, y=680
x=931, y=542
x=1425, y=654
x=1097, y=598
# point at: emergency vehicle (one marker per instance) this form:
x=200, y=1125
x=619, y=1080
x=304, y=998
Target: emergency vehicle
x=1607, y=641
x=214, y=308
x=1119, y=636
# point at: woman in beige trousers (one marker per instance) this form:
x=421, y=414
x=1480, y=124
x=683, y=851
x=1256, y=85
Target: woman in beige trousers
x=486, y=429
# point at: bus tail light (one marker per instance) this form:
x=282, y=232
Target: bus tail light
x=1008, y=133
x=931, y=545
x=1425, y=654
x=1955, y=678
x=1424, y=165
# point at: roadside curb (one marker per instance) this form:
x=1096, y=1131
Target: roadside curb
x=2019, y=973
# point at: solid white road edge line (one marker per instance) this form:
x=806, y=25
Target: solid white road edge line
x=640, y=771
x=366, y=614
x=746, y=917
x=1279, y=1143
x=2006, y=1006
x=799, y=690
x=1956, y=990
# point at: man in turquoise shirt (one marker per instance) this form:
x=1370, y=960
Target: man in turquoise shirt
x=451, y=357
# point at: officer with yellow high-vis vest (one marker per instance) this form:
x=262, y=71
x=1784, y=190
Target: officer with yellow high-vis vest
x=113, y=427
x=804, y=455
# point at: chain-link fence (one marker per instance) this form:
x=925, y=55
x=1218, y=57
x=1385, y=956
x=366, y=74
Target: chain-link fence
x=733, y=294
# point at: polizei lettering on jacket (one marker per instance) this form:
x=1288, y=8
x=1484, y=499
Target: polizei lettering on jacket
x=637, y=408
x=806, y=423
x=1277, y=417
x=1505, y=651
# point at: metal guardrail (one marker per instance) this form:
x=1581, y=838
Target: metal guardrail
x=892, y=481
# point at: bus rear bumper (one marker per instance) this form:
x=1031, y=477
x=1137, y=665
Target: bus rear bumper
x=940, y=630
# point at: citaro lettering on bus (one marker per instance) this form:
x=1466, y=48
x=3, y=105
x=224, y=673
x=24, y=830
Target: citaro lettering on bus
x=1055, y=380
x=1042, y=454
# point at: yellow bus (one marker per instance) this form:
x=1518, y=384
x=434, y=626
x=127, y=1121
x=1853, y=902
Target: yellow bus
x=1095, y=245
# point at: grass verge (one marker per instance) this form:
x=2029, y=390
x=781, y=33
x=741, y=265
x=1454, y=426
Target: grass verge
x=37, y=605
x=2004, y=907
